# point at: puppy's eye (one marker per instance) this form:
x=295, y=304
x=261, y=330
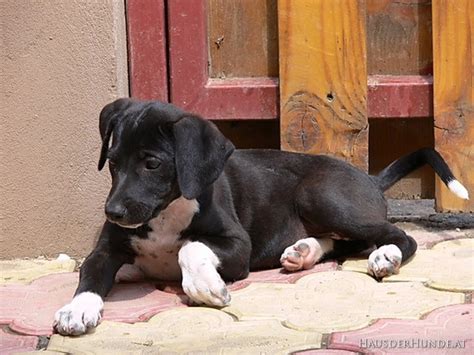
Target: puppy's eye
x=152, y=164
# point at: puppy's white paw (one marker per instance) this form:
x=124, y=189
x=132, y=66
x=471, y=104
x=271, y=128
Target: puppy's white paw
x=82, y=313
x=305, y=253
x=385, y=261
x=201, y=281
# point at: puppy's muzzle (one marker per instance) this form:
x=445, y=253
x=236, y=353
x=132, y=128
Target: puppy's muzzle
x=115, y=212
x=131, y=215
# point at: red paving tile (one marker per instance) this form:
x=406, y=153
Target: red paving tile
x=29, y=309
x=132, y=303
x=282, y=276
x=14, y=343
x=274, y=276
x=429, y=335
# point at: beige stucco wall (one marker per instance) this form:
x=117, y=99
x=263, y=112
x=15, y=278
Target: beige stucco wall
x=61, y=61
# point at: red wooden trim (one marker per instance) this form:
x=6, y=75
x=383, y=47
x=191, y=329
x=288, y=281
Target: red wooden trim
x=400, y=96
x=146, y=24
x=191, y=87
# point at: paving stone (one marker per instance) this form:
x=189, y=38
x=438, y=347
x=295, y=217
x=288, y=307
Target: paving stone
x=29, y=309
x=184, y=330
x=427, y=238
x=447, y=266
x=325, y=352
x=429, y=335
x=40, y=352
x=21, y=271
x=132, y=303
x=332, y=301
x=13, y=343
x=281, y=275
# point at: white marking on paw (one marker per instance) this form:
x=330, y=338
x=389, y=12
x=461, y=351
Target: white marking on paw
x=385, y=261
x=201, y=281
x=305, y=253
x=157, y=255
x=81, y=314
x=458, y=189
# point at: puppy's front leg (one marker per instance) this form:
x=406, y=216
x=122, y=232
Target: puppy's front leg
x=96, y=279
x=200, y=262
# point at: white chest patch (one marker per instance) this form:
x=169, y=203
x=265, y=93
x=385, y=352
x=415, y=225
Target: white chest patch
x=157, y=256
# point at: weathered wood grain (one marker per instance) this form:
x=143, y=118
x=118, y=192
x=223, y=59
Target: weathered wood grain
x=399, y=37
x=323, y=78
x=453, y=23
x=243, y=38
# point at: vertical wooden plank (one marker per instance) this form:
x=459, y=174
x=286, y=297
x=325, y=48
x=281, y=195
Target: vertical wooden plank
x=146, y=22
x=453, y=60
x=323, y=78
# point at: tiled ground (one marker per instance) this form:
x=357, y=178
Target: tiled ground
x=331, y=309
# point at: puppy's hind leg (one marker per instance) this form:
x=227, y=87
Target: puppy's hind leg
x=346, y=202
x=394, y=247
x=305, y=253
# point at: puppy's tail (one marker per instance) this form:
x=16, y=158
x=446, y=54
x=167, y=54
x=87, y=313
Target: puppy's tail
x=405, y=165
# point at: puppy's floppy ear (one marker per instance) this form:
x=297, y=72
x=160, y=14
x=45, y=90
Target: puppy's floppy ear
x=108, y=119
x=201, y=151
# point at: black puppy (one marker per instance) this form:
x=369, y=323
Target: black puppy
x=185, y=206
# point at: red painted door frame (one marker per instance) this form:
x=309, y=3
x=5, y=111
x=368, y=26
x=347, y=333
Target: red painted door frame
x=148, y=63
x=191, y=87
x=400, y=96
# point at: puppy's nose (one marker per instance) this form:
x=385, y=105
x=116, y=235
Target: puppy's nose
x=115, y=212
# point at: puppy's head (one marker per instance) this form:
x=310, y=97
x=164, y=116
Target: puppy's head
x=156, y=154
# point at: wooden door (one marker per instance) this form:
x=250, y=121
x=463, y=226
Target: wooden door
x=224, y=58
x=216, y=58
